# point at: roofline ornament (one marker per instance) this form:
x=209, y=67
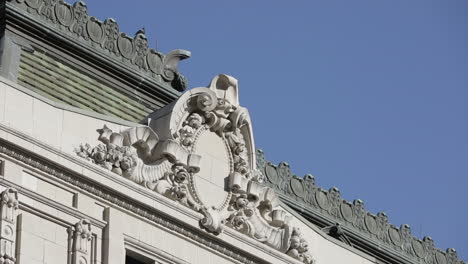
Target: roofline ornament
x=162, y=157
x=345, y=218
x=104, y=37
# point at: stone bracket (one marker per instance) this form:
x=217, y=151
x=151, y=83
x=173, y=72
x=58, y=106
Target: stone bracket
x=79, y=241
x=8, y=214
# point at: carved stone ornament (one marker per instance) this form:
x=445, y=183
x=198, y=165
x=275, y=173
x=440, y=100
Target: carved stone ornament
x=8, y=212
x=104, y=37
x=350, y=217
x=200, y=152
x=80, y=237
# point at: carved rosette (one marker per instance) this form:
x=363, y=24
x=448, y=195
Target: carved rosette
x=199, y=151
x=8, y=213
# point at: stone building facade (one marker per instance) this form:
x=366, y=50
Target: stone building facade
x=105, y=159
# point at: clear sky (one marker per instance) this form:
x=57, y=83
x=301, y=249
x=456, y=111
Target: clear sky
x=369, y=96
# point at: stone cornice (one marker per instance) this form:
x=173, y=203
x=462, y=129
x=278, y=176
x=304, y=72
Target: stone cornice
x=54, y=204
x=127, y=203
x=368, y=232
x=98, y=42
x=140, y=209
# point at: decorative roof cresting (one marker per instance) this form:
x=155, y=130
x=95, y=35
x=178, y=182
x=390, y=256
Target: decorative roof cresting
x=104, y=37
x=351, y=217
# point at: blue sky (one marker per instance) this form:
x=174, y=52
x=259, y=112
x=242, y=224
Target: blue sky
x=369, y=96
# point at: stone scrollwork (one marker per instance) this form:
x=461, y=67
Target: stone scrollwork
x=199, y=151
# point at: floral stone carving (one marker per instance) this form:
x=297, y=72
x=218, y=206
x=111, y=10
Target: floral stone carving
x=200, y=152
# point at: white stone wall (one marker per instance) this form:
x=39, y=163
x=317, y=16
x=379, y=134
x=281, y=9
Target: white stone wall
x=329, y=250
x=41, y=240
x=50, y=206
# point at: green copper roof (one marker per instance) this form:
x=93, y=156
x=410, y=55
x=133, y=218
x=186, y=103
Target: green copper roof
x=75, y=29
x=59, y=51
x=61, y=83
